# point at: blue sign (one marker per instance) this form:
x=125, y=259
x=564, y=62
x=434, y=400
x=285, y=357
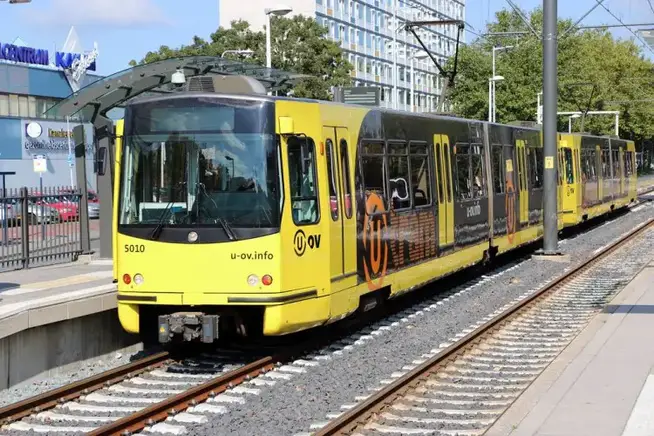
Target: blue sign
x=37, y=56
x=65, y=60
x=70, y=160
x=26, y=55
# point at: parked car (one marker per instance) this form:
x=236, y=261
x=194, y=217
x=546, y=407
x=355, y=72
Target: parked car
x=35, y=213
x=93, y=203
x=64, y=205
x=11, y=217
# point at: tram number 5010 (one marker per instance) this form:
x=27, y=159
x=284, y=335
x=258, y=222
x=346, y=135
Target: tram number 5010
x=134, y=248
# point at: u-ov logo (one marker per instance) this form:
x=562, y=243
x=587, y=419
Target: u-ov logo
x=301, y=242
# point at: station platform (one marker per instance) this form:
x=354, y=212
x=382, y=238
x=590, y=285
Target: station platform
x=44, y=295
x=602, y=384
x=53, y=317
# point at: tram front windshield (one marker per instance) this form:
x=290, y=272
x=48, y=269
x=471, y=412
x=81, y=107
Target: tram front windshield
x=200, y=161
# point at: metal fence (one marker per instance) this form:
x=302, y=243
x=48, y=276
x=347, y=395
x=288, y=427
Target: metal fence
x=39, y=227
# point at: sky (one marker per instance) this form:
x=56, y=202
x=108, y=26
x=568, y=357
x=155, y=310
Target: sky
x=128, y=29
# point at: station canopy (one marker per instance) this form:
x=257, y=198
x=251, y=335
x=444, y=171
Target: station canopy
x=154, y=78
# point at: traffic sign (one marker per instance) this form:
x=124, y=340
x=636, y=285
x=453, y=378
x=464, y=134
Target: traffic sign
x=70, y=160
x=40, y=164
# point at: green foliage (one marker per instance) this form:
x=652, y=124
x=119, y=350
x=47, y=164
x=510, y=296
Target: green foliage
x=596, y=72
x=298, y=45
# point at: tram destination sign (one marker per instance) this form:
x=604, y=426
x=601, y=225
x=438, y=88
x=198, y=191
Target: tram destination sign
x=363, y=95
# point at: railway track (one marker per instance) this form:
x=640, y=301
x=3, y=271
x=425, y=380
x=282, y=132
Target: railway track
x=139, y=394
x=145, y=393
x=464, y=387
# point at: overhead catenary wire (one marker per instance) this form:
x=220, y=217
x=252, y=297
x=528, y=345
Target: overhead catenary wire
x=627, y=27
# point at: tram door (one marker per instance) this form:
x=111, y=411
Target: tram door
x=522, y=183
x=621, y=174
x=442, y=151
x=342, y=228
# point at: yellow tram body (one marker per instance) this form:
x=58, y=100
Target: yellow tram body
x=354, y=251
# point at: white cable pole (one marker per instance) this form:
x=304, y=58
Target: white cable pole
x=395, y=94
x=70, y=152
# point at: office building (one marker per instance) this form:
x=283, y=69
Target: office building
x=32, y=80
x=373, y=38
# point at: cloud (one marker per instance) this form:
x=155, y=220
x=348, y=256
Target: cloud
x=115, y=13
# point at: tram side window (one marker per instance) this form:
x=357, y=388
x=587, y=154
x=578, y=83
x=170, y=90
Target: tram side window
x=441, y=171
x=462, y=170
x=628, y=168
x=420, y=178
x=345, y=173
x=567, y=155
x=372, y=166
x=498, y=170
x=606, y=170
x=398, y=175
x=477, y=171
x=535, y=163
x=331, y=174
x=588, y=165
x=616, y=164
x=302, y=177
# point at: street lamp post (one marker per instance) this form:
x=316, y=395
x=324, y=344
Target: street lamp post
x=492, y=102
x=279, y=10
x=419, y=55
x=491, y=86
x=570, y=121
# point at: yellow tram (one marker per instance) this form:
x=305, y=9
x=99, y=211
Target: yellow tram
x=255, y=215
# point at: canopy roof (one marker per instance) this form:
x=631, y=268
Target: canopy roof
x=105, y=94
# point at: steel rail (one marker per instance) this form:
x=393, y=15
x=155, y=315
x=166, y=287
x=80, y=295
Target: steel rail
x=363, y=412
x=180, y=402
x=50, y=399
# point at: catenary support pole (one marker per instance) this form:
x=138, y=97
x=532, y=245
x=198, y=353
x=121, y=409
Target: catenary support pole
x=80, y=139
x=550, y=98
x=105, y=138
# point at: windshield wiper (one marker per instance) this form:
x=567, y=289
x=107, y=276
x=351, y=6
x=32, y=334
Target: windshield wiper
x=227, y=228
x=160, y=224
x=220, y=220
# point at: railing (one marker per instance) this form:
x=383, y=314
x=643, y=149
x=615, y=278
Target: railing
x=40, y=228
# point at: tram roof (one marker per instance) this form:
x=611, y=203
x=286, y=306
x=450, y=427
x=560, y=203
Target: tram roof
x=114, y=90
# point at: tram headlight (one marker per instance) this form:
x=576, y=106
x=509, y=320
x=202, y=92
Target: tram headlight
x=192, y=237
x=253, y=280
x=138, y=279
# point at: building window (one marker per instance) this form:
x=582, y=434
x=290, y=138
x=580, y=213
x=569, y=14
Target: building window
x=13, y=106
x=4, y=105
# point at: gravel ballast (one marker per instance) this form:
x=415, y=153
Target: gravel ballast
x=73, y=372
x=292, y=406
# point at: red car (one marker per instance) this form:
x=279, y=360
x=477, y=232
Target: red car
x=64, y=205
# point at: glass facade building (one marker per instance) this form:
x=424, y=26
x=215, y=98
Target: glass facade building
x=367, y=29
x=373, y=38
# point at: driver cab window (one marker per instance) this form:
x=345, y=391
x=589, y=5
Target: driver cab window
x=302, y=178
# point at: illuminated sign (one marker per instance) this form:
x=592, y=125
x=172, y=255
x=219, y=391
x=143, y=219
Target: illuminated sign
x=61, y=133
x=37, y=56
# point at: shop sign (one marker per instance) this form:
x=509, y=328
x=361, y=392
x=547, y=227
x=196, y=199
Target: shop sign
x=37, y=56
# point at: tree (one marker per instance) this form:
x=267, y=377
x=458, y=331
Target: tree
x=596, y=72
x=298, y=45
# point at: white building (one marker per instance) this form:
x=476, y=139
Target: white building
x=366, y=30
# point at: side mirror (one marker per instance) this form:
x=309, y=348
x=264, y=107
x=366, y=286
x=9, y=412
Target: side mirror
x=101, y=161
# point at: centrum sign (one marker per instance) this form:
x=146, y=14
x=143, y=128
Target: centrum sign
x=37, y=56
